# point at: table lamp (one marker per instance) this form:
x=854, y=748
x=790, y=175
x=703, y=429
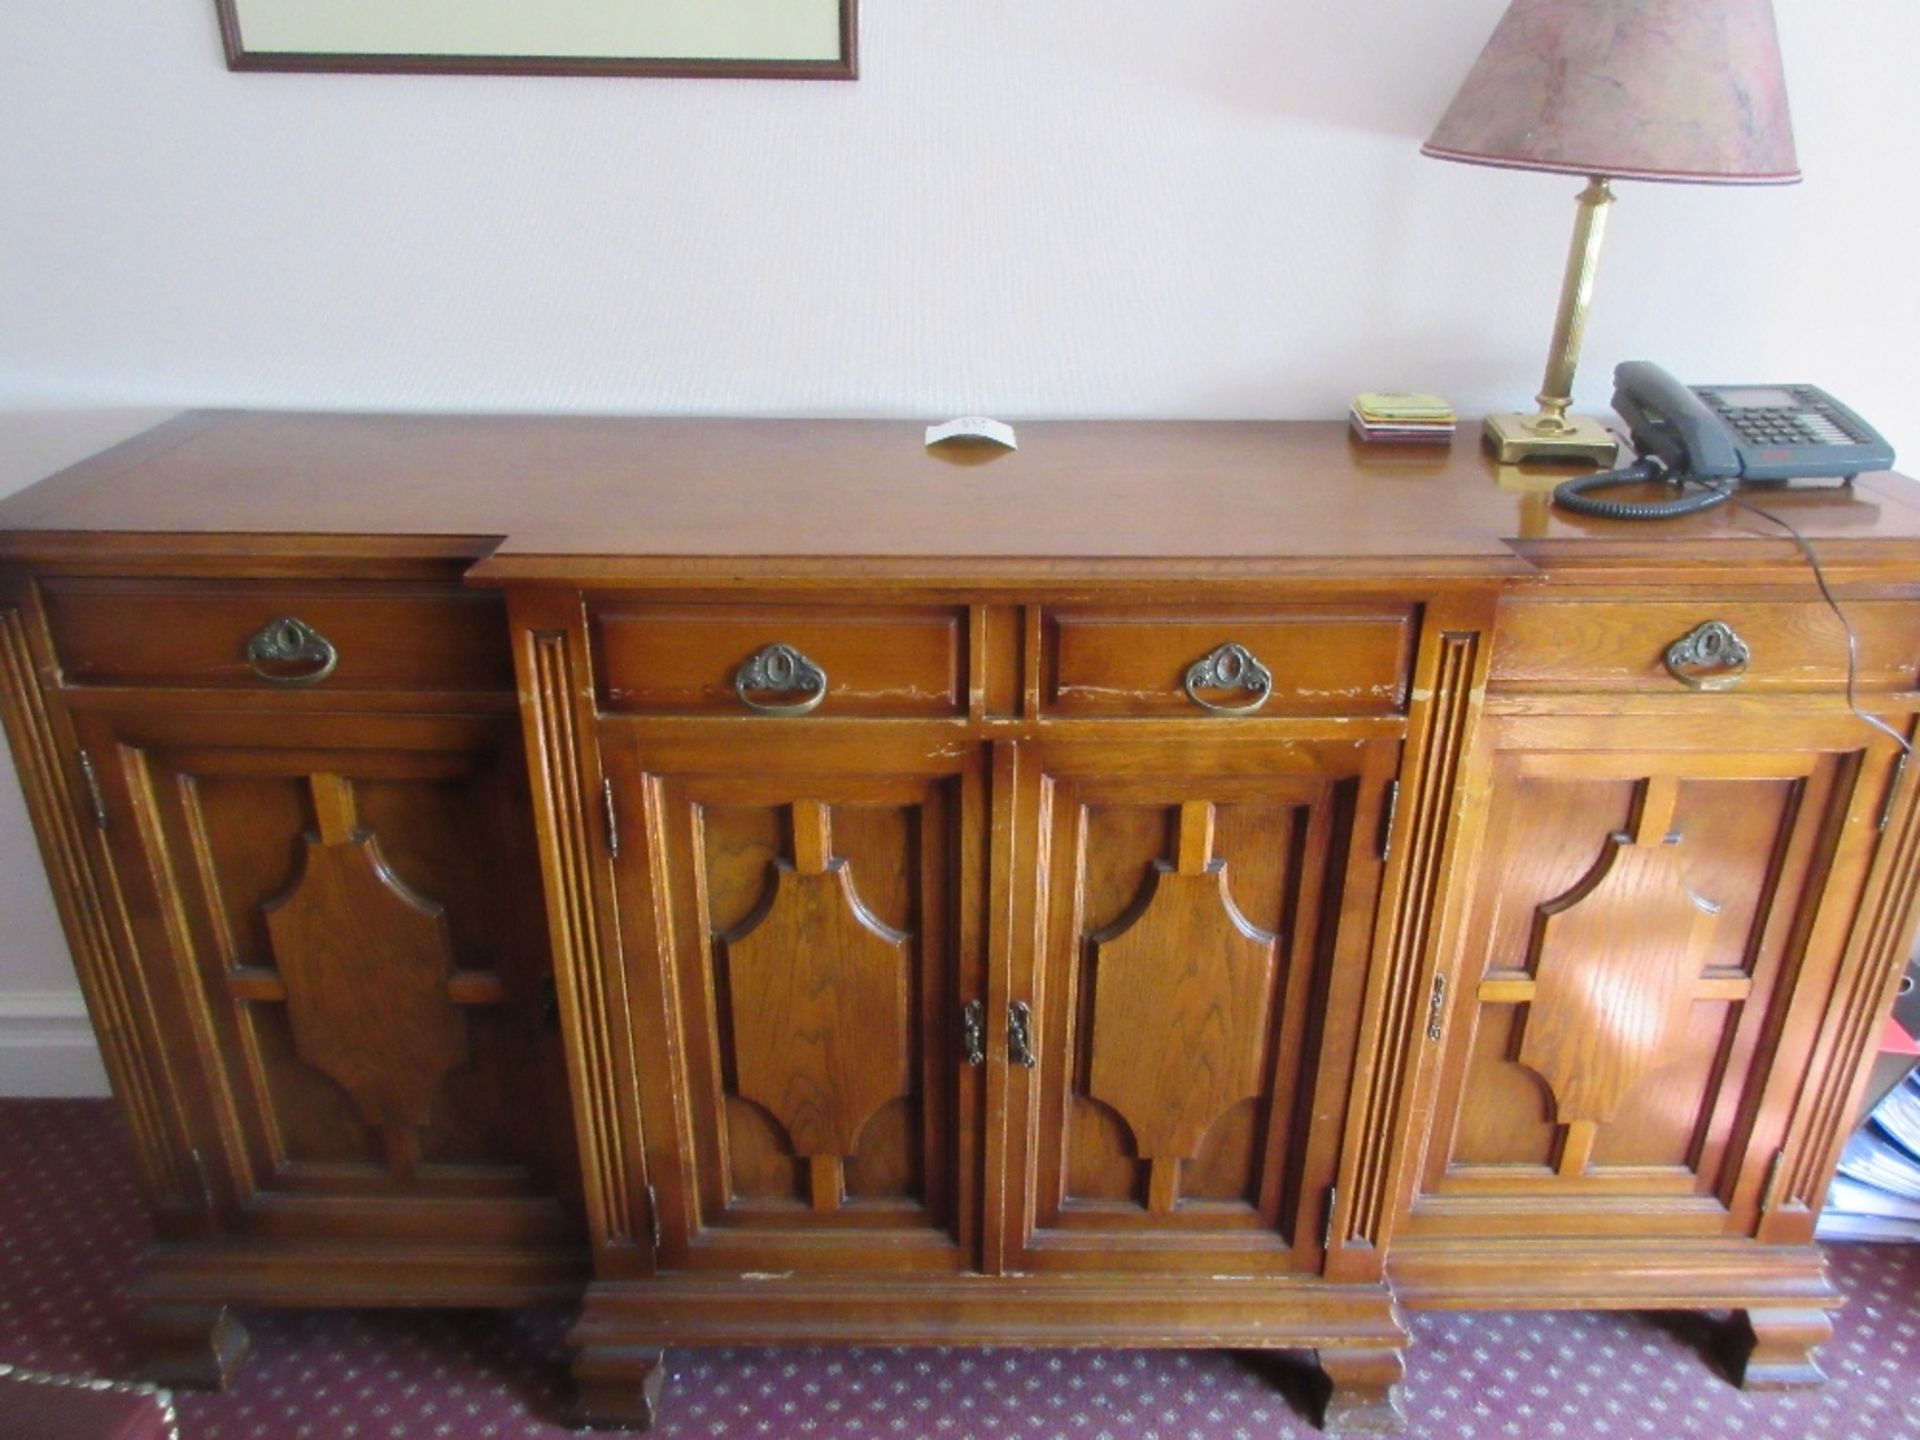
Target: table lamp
x=1678, y=90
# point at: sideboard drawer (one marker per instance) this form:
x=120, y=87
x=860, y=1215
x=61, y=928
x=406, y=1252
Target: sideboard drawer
x=212, y=633
x=791, y=660
x=1745, y=644
x=1270, y=660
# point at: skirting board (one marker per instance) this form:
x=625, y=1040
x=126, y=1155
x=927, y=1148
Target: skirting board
x=47, y=1046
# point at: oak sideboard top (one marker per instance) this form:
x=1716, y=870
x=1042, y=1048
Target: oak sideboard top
x=568, y=497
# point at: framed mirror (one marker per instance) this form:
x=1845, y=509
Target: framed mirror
x=787, y=39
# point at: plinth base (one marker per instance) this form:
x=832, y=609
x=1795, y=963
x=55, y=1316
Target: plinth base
x=1513, y=438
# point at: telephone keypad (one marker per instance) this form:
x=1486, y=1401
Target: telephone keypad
x=1768, y=425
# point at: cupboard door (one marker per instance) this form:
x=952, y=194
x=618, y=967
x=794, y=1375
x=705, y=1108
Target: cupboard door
x=347, y=910
x=1625, y=1043
x=1197, y=961
x=791, y=913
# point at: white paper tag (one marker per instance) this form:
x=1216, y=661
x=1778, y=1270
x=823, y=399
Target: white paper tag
x=973, y=427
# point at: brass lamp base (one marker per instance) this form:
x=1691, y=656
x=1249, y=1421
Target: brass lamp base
x=1514, y=438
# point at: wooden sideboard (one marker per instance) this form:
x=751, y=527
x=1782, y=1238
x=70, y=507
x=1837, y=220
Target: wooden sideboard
x=1174, y=884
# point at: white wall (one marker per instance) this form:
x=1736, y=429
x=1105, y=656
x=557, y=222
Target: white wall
x=1085, y=207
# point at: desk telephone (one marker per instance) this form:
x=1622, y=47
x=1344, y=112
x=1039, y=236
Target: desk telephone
x=1702, y=439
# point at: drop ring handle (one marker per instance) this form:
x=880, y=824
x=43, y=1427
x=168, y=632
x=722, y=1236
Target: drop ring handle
x=1710, y=657
x=1231, y=667
x=291, y=641
x=781, y=669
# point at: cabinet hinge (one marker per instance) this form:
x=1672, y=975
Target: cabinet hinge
x=653, y=1218
x=94, y=797
x=1386, y=824
x=1893, y=791
x=613, y=818
x=1770, y=1196
x=1437, y=1007
x=1326, y=1225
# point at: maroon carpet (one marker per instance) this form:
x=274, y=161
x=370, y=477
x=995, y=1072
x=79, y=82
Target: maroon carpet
x=71, y=1226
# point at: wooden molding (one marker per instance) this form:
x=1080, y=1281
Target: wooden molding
x=588, y=991
x=85, y=892
x=1452, y=671
x=1878, y=944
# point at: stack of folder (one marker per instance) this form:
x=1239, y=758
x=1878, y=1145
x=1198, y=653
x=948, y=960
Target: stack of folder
x=1402, y=419
x=1876, y=1195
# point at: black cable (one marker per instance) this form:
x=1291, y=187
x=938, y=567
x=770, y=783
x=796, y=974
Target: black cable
x=1826, y=593
x=1572, y=494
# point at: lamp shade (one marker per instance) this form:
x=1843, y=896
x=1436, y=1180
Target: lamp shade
x=1686, y=90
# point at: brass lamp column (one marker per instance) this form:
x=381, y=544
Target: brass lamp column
x=1551, y=433
x=1676, y=90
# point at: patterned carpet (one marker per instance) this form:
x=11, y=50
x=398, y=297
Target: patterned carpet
x=71, y=1226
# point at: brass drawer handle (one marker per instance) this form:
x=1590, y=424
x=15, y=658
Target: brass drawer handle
x=288, y=641
x=1231, y=667
x=782, y=669
x=1711, y=657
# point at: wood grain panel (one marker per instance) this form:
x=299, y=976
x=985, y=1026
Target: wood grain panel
x=811, y=895
x=1601, y=1016
x=367, y=965
x=1190, y=934
x=355, y=1103
x=1639, y=927
x=1795, y=645
x=630, y=496
x=662, y=659
x=389, y=636
x=1181, y=991
x=1350, y=661
x=817, y=997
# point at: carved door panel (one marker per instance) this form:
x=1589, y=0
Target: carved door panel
x=350, y=906
x=1618, y=1055
x=1198, y=951
x=793, y=921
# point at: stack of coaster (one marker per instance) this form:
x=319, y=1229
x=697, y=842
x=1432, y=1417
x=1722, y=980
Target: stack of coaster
x=37, y=1406
x=1380, y=418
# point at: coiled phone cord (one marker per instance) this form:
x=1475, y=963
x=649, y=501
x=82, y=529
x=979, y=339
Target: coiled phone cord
x=1572, y=494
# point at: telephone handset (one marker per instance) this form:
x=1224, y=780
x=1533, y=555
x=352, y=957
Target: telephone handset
x=1702, y=439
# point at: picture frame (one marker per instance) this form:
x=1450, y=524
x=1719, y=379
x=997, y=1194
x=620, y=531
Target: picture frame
x=768, y=39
